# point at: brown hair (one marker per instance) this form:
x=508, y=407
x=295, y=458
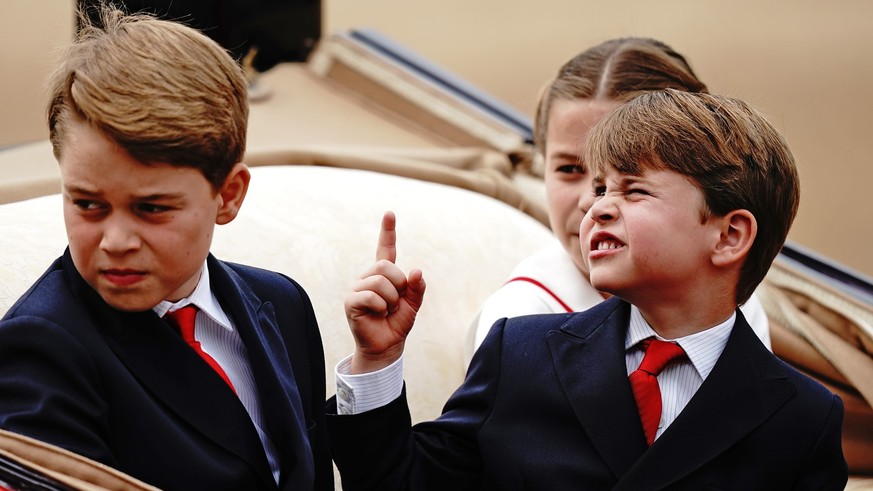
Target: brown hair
x=726, y=148
x=616, y=70
x=163, y=91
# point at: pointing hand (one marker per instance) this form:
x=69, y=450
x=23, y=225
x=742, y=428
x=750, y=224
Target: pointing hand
x=382, y=306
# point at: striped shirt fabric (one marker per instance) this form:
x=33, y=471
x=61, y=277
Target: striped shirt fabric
x=356, y=394
x=218, y=337
x=680, y=380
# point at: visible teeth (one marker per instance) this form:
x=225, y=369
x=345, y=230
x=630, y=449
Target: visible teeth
x=607, y=245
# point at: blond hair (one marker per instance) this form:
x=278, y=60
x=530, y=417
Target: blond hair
x=163, y=91
x=727, y=149
x=615, y=70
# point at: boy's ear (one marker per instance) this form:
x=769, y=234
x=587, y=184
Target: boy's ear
x=737, y=234
x=232, y=193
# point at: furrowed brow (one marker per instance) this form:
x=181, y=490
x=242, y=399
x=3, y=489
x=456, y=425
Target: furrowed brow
x=74, y=189
x=159, y=197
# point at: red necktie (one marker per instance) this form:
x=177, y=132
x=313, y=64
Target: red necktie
x=644, y=382
x=183, y=319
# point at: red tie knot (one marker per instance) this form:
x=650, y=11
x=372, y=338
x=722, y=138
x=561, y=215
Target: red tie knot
x=658, y=355
x=183, y=319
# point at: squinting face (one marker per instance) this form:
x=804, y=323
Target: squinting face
x=568, y=183
x=138, y=233
x=644, y=238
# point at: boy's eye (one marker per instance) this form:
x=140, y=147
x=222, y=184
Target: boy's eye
x=151, y=208
x=599, y=190
x=637, y=191
x=87, y=204
x=571, y=169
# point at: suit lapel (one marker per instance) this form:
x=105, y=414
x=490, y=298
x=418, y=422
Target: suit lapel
x=175, y=374
x=744, y=388
x=280, y=400
x=590, y=364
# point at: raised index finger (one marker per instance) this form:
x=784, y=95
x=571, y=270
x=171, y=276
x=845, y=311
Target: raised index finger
x=387, y=247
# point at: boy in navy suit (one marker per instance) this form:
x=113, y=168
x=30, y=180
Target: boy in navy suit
x=664, y=386
x=148, y=121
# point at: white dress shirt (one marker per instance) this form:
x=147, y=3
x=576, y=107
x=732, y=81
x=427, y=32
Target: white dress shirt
x=219, y=338
x=679, y=380
x=360, y=393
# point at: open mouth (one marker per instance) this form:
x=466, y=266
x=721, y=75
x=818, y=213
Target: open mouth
x=607, y=245
x=603, y=243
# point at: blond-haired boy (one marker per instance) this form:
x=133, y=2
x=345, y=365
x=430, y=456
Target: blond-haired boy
x=695, y=196
x=148, y=119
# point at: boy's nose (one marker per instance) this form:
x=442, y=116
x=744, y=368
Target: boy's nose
x=119, y=238
x=602, y=210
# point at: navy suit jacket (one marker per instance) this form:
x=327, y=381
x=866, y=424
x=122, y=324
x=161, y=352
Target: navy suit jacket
x=547, y=405
x=123, y=389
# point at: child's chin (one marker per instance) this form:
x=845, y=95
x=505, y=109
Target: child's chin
x=128, y=303
x=603, y=285
x=598, y=279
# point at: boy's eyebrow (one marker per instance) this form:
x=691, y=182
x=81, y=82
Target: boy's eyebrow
x=626, y=179
x=622, y=180
x=575, y=157
x=74, y=189
x=79, y=190
x=159, y=197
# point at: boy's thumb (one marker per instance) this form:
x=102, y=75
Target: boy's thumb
x=415, y=287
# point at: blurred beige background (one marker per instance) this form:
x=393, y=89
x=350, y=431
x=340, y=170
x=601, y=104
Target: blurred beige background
x=807, y=65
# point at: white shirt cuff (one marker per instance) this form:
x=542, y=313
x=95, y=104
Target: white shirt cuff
x=360, y=393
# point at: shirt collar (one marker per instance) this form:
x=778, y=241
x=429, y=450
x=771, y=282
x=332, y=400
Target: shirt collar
x=703, y=348
x=203, y=298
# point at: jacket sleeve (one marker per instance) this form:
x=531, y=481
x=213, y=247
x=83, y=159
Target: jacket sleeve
x=51, y=388
x=381, y=450
x=821, y=470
